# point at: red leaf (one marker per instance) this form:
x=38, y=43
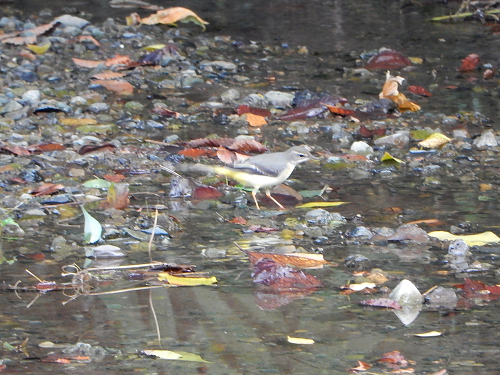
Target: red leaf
x=365, y=132
x=270, y=273
x=49, y=147
x=90, y=148
x=303, y=113
x=419, y=91
x=394, y=357
x=206, y=192
x=248, y=146
x=242, y=109
x=470, y=63
x=16, y=150
x=46, y=189
x=387, y=60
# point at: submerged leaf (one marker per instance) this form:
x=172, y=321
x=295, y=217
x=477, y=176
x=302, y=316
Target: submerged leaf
x=320, y=204
x=299, y=341
x=186, y=281
x=479, y=239
x=179, y=355
x=434, y=140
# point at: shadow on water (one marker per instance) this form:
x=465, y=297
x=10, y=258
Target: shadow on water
x=225, y=324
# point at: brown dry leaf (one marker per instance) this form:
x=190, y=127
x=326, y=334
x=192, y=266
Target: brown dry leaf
x=77, y=121
x=391, y=86
x=133, y=20
x=47, y=147
x=173, y=15
x=108, y=75
x=118, y=86
x=118, y=196
x=118, y=60
x=20, y=40
x=42, y=29
x=28, y=55
x=87, y=38
x=403, y=103
x=255, y=120
x=114, y=177
x=434, y=140
x=196, y=152
x=16, y=150
x=46, y=189
x=90, y=64
x=248, y=145
x=229, y=157
x=362, y=366
x=299, y=260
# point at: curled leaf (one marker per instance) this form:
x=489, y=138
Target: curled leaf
x=92, y=229
x=172, y=15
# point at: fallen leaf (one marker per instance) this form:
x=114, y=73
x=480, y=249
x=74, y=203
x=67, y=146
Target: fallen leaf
x=255, y=120
x=273, y=275
x=46, y=189
x=430, y=222
x=39, y=50
x=77, y=121
x=118, y=86
x=178, y=356
x=172, y=15
x=196, y=152
x=389, y=157
x=470, y=63
x=89, y=64
x=394, y=357
x=359, y=287
x=429, y=334
x=92, y=228
x=186, y=281
x=118, y=196
x=108, y=75
x=320, y=204
x=434, y=140
x=242, y=109
x=362, y=366
x=93, y=148
x=418, y=90
x=298, y=260
x=299, y=341
x=479, y=239
x=388, y=59
x=206, y=192
x=118, y=60
x=16, y=150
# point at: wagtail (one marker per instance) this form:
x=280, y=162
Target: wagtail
x=265, y=170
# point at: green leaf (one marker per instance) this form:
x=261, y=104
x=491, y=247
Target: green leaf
x=8, y=221
x=97, y=184
x=92, y=229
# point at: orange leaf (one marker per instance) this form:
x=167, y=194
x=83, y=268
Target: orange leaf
x=300, y=260
x=255, y=120
x=118, y=86
x=239, y=220
x=339, y=110
x=430, y=222
x=403, y=103
x=49, y=147
x=206, y=192
x=196, y=152
x=90, y=64
x=118, y=196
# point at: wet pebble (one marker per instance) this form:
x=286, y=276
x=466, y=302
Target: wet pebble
x=319, y=217
x=230, y=95
x=360, y=232
x=362, y=148
x=279, y=99
x=485, y=140
x=98, y=107
x=397, y=139
x=441, y=298
x=358, y=262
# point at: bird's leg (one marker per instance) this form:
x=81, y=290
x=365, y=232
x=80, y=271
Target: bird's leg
x=268, y=193
x=255, y=198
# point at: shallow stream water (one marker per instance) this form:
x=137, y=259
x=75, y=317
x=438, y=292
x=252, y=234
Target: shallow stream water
x=227, y=325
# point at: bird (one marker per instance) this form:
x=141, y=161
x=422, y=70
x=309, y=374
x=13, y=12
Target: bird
x=265, y=170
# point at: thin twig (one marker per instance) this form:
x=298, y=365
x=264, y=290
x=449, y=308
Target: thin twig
x=158, y=333
x=150, y=244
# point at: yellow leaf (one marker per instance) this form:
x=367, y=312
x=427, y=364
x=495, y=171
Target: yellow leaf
x=154, y=47
x=416, y=60
x=173, y=15
x=78, y=121
x=434, y=140
x=320, y=204
x=429, y=334
x=186, y=281
x=39, y=50
x=388, y=157
x=299, y=341
x=479, y=239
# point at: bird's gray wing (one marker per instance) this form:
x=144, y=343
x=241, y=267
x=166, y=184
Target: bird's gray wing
x=261, y=165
